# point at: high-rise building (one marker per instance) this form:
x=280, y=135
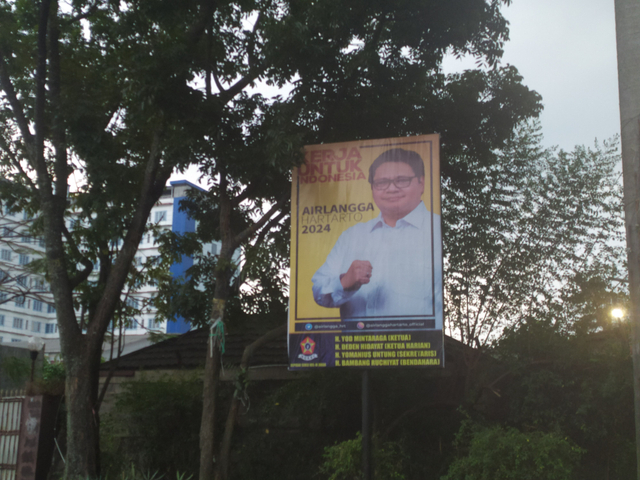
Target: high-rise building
x=26, y=304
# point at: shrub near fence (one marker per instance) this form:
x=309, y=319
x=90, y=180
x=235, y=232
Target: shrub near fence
x=154, y=428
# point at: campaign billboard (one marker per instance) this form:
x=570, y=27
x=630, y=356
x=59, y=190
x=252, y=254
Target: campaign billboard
x=366, y=256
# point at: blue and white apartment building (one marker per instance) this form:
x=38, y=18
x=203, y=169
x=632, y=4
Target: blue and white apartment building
x=26, y=307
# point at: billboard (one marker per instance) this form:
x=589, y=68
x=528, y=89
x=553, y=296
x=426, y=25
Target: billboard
x=366, y=255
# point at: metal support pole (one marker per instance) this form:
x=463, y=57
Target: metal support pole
x=367, y=471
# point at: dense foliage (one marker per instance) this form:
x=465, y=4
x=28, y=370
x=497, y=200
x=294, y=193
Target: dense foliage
x=154, y=428
x=498, y=453
x=523, y=233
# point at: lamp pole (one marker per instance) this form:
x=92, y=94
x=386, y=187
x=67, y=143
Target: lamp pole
x=35, y=345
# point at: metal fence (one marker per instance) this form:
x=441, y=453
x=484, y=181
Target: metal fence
x=10, y=413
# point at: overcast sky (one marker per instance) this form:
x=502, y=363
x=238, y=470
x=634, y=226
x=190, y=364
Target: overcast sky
x=566, y=51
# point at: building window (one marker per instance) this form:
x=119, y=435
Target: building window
x=15, y=340
x=41, y=242
x=161, y=216
x=36, y=326
x=18, y=323
x=19, y=301
x=5, y=255
x=37, y=305
x=51, y=309
x=26, y=239
x=3, y=275
x=3, y=296
x=49, y=328
x=22, y=280
x=1, y=320
x=132, y=302
x=131, y=325
x=7, y=232
x=24, y=259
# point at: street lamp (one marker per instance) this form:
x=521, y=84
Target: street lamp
x=617, y=313
x=35, y=345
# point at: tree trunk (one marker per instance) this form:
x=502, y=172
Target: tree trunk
x=628, y=46
x=225, y=269
x=207, y=425
x=222, y=470
x=82, y=459
x=210, y=383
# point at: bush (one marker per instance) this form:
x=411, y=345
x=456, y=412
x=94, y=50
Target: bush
x=154, y=428
x=499, y=453
x=342, y=461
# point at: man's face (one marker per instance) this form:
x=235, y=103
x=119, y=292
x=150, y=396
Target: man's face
x=395, y=202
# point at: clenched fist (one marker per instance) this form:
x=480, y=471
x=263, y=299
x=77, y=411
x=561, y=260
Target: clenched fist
x=359, y=273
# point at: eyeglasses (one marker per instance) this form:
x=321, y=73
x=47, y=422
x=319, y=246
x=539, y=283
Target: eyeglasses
x=399, y=182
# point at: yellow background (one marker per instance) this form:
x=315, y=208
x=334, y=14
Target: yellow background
x=313, y=248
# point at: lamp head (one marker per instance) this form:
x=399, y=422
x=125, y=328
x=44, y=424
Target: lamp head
x=617, y=313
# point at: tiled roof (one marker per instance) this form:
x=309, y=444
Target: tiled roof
x=188, y=350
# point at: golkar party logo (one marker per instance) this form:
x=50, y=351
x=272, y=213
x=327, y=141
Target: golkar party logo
x=308, y=346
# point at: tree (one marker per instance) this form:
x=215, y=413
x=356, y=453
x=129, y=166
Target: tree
x=523, y=230
x=573, y=380
x=82, y=95
x=363, y=53
x=119, y=94
x=627, y=38
x=357, y=71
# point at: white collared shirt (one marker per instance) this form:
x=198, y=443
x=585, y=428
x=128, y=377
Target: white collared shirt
x=405, y=259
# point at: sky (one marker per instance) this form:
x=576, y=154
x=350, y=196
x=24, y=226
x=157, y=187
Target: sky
x=566, y=51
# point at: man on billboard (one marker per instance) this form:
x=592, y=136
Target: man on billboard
x=385, y=267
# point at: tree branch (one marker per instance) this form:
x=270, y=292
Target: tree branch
x=154, y=180
x=248, y=191
x=217, y=81
x=195, y=32
x=16, y=106
x=252, y=42
x=41, y=93
x=81, y=276
x=59, y=141
x=232, y=91
x=92, y=9
x=16, y=163
x=250, y=231
x=237, y=87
